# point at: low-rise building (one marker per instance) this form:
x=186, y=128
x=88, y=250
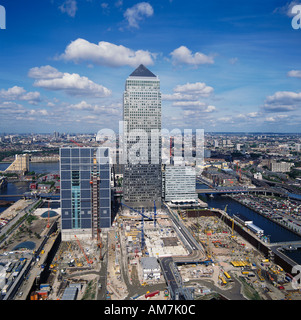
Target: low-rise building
x=150, y=268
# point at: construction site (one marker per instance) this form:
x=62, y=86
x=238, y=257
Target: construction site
x=127, y=261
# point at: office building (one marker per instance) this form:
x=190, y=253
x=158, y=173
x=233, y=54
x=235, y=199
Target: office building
x=142, y=140
x=179, y=184
x=280, y=166
x=85, y=191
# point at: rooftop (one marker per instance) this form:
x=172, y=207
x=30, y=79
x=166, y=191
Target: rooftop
x=149, y=263
x=142, y=71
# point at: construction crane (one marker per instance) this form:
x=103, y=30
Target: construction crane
x=238, y=172
x=89, y=261
x=231, y=220
x=155, y=214
x=99, y=243
x=79, y=145
x=232, y=228
x=142, y=223
x=48, y=224
x=95, y=185
x=142, y=214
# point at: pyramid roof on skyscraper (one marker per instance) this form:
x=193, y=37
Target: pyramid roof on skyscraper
x=142, y=71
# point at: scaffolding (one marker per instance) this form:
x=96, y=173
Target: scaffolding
x=95, y=181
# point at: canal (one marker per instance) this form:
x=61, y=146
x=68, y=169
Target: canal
x=17, y=188
x=275, y=232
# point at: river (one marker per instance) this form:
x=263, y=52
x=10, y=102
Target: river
x=275, y=232
x=38, y=167
x=16, y=188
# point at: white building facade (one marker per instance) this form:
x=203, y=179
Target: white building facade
x=179, y=184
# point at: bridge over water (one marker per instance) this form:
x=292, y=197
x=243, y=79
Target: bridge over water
x=287, y=245
x=232, y=190
x=235, y=189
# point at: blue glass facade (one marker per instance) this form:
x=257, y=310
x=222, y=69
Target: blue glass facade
x=76, y=165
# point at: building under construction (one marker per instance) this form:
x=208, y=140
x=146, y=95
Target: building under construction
x=85, y=191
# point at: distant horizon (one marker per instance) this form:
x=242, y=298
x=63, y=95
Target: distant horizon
x=208, y=132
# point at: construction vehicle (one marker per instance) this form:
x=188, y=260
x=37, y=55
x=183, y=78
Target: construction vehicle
x=224, y=282
x=259, y=275
x=209, y=254
x=78, y=264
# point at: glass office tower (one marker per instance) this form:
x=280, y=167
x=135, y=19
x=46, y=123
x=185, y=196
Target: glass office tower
x=85, y=191
x=142, y=140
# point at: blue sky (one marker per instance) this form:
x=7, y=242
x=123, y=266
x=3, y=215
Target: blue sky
x=223, y=66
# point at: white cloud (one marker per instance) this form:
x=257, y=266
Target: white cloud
x=294, y=74
x=188, y=104
x=119, y=3
x=253, y=114
x=112, y=109
x=286, y=9
x=233, y=60
x=183, y=55
x=69, y=7
x=196, y=106
x=189, y=92
x=178, y=97
x=44, y=72
x=105, y=53
x=188, y=96
x=74, y=84
x=198, y=88
x=50, y=78
x=12, y=93
x=137, y=13
x=19, y=93
x=282, y=101
x=276, y=118
x=39, y=112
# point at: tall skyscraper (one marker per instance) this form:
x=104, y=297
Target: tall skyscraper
x=85, y=191
x=142, y=140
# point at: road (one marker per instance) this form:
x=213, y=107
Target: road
x=167, y=266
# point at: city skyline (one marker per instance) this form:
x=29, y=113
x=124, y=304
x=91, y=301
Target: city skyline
x=223, y=67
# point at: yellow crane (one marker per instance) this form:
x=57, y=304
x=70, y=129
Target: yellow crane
x=208, y=247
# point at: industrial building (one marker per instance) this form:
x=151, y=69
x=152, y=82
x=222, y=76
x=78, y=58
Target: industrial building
x=85, y=191
x=142, y=140
x=20, y=164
